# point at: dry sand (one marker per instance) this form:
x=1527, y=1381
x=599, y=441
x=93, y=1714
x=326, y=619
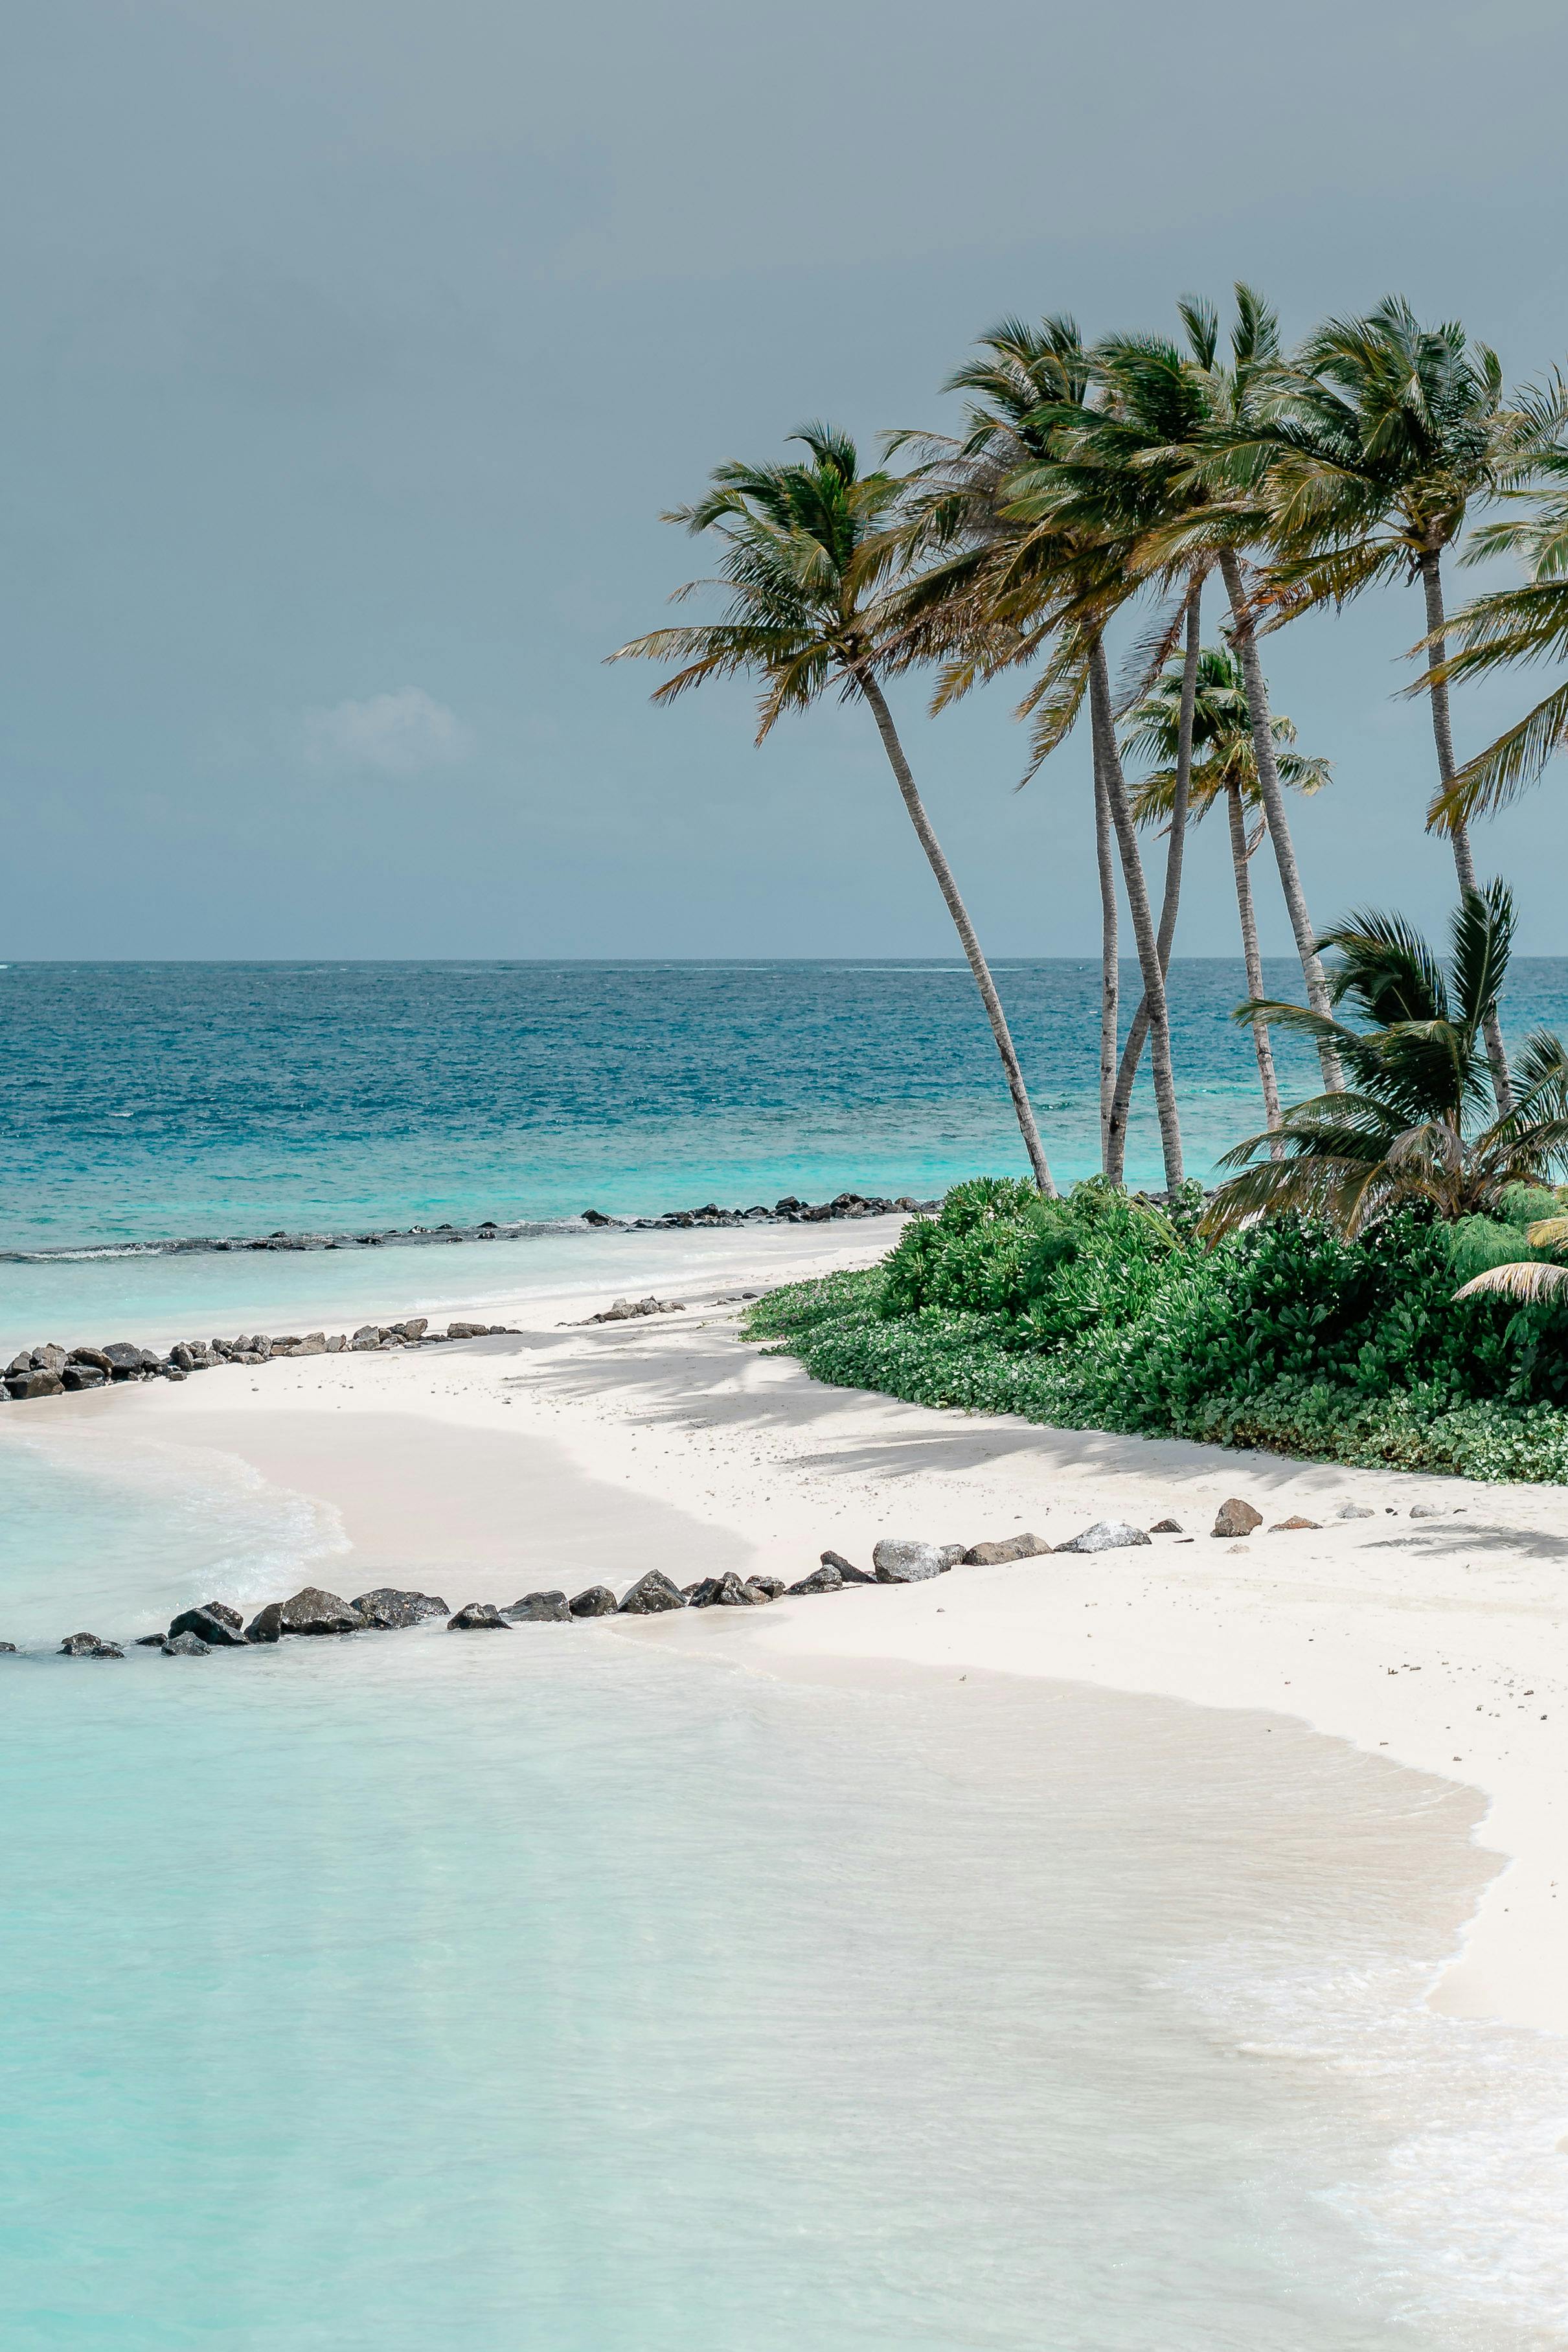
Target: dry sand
x=566, y=1454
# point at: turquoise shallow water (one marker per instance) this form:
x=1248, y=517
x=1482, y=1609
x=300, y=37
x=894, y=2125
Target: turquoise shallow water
x=559, y=1991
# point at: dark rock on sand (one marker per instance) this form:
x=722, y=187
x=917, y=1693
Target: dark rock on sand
x=214, y=1624
x=186, y=1645
x=312, y=1611
x=1236, y=1517
x=23, y=1385
x=266, y=1625
x=94, y=1357
x=826, y=1579
x=899, y=1562
x=1165, y=1528
x=992, y=1554
x=478, y=1617
x=541, y=1609
x=652, y=1595
x=127, y=1361
x=76, y=1376
x=770, y=1585
x=89, y=1646
x=594, y=1601
x=49, y=1358
x=726, y=1591
x=847, y=1569
x=387, y=1609
x=1284, y=1526
x=1106, y=1535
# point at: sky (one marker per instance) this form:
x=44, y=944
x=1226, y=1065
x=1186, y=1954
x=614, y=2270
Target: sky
x=353, y=347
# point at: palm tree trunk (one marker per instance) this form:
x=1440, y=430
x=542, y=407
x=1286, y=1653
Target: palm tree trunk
x=965, y=929
x=1105, y=727
x=1122, y=1099
x=1254, y=962
x=1459, y=832
x=1109, y=969
x=1244, y=637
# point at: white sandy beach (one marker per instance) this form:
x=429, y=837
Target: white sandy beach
x=567, y=1454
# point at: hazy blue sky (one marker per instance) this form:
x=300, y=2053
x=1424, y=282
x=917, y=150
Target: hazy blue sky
x=352, y=347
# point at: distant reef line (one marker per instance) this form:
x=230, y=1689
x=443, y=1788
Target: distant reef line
x=709, y=1217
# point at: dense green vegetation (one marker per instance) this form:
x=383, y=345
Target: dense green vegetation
x=1107, y=1311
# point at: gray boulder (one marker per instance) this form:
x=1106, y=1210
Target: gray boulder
x=19, y=1363
x=593, y=1600
x=847, y=1569
x=93, y=1356
x=49, y=1359
x=726, y=1591
x=652, y=1595
x=468, y=1330
x=1106, y=1535
x=992, y=1554
x=771, y=1587
x=388, y=1609
x=541, y=1609
x=215, y=1625
x=266, y=1625
x=23, y=1385
x=311, y=1610
x=898, y=1560
x=186, y=1645
x=127, y=1361
x=89, y=1646
x=1354, y=1511
x=826, y=1579
x=82, y=1376
x=478, y=1617
x=415, y=1327
x=1236, y=1517
x=1428, y=1510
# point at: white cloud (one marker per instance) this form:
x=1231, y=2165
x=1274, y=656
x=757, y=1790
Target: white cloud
x=403, y=734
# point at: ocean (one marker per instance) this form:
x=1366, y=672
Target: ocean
x=405, y=1993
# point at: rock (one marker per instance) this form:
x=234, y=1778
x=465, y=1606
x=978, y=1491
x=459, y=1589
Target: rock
x=771, y=1586
x=726, y=1591
x=49, y=1359
x=593, y=1600
x=826, y=1579
x=18, y=1364
x=182, y=1357
x=539, y=1609
x=652, y=1595
x=150, y=1641
x=415, y=1327
x=898, y=1560
x=93, y=1356
x=35, y=1384
x=1106, y=1535
x=1428, y=1510
x=313, y=1344
x=1354, y=1511
x=1285, y=1526
x=991, y=1555
x=848, y=1572
x=83, y=1376
x=215, y=1625
x=311, y=1610
x=387, y=1609
x=596, y=1217
x=260, y=1346
x=468, y=1330
x=127, y=1361
x=87, y=1646
x=1236, y=1517
x=478, y=1617
x=185, y=1646
x=626, y=1310
x=337, y=1344
x=174, y=1373
x=7, y=1649
x=1165, y=1528
x=266, y=1625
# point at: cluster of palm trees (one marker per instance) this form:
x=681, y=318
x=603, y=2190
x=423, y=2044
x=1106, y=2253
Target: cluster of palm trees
x=1151, y=471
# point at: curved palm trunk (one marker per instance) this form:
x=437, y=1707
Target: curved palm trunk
x=965, y=929
x=1254, y=962
x=1109, y=969
x=1244, y=637
x=1121, y=1102
x=1465, y=864
x=1105, y=727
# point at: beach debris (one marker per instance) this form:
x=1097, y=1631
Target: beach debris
x=593, y=1600
x=1166, y=1528
x=186, y=1645
x=1236, y=1517
x=1284, y=1526
x=652, y=1595
x=727, y=1591
x=1106, y=1535
x=899, y=1560
x=266, y=1625
x=386, y=1609
x=539, y=1609
x=89, y=1646
x=214, y=1624
x=1354, y=1511
x=826, y=1579
x=478, y=1617
x=991, y=1555
x=311, y=1610
x=627, y=1310
x=847, y=1569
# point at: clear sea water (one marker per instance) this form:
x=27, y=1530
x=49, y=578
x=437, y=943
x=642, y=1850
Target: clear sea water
x=568, y=1992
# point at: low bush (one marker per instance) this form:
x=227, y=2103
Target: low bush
x=1106, y=1311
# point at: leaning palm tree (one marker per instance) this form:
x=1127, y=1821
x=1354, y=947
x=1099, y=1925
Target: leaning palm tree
x=1418, y=1122
x=807, y=550
x=1394, y=431
x=1224, y=763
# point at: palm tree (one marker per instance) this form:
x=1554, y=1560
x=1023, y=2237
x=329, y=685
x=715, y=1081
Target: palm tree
x=807, y=551
x=1411, y=1127
x=1393, y=432
x=996, y=587
x=1224, y=763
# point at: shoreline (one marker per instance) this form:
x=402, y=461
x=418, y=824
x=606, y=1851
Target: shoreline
x=1437, y=1644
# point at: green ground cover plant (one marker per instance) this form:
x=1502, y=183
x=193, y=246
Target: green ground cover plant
x=1109, y=1312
